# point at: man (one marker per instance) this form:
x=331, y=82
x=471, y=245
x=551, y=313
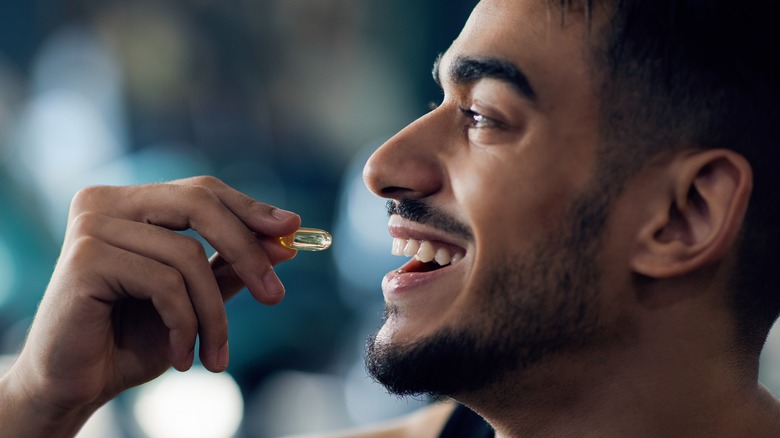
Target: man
x=584, y=189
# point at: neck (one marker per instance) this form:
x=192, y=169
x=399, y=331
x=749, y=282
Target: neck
x=660, y=384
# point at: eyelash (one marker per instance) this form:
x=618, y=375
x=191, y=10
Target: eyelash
x=475, y=119
x=478, y=121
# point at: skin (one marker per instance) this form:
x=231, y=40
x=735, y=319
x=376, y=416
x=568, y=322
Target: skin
x=129, y=295
x=534, y=168
x=671, y=367
x=668, y=251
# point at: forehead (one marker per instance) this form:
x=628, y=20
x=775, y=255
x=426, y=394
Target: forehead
x=545, y=42
x=534, y=15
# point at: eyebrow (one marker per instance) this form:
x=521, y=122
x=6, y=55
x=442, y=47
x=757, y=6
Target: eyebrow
x=466, y=70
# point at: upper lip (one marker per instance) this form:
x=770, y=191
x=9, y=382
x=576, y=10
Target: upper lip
x=401, y=228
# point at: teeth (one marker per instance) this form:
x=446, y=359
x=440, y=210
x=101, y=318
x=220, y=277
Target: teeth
x=442, y=257
x=398, y=247
x=424, y=251
x=456, y=258
x=411, y=248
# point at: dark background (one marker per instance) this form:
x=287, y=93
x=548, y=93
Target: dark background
x=283, y=99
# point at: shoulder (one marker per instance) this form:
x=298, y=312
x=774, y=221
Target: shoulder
x=423, y=423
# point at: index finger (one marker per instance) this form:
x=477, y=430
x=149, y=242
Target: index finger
x=230, y=222
x=260, y=217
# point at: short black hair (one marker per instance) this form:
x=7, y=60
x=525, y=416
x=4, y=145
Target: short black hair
x=676, y=74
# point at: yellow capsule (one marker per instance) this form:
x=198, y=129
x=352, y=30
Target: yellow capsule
x=307, y=239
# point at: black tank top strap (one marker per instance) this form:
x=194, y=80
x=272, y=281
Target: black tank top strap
x=465, y=423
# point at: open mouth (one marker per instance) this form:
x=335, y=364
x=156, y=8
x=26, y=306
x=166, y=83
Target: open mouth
x=427, y=255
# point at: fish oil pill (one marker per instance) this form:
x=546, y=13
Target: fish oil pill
x=307, y=239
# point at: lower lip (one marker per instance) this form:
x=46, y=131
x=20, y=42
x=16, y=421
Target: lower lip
x=399, y=283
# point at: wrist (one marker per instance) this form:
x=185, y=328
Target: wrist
x=25, y=411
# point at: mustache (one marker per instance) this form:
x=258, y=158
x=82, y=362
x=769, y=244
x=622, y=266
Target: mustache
x=423, y=213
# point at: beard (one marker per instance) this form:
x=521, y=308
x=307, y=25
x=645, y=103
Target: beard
x=536, y=306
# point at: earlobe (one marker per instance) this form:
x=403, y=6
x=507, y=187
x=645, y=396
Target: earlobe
x=697, y=222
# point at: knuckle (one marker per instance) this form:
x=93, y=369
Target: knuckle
x=87, y=198
x=86, y=223
x=171, y=280
x=259, y=208
x=193, y=249
x=207, y=181
x=84, y=250
x=201, y=194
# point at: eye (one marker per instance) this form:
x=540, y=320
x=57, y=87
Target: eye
x=479, y=121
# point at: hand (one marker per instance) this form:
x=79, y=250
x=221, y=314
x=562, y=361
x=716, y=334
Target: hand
x=129, y=294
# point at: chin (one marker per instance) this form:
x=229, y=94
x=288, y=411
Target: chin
x=446, y=363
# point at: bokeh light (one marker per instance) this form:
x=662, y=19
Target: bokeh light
x=194, y=404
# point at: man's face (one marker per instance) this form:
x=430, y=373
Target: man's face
x=499, y=182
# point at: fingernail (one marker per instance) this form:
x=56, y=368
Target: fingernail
x=281, y=215
x=187, y=364
x=272, y=283
x=223, y=356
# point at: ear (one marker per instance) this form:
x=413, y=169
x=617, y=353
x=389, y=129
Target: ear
x=698, y=219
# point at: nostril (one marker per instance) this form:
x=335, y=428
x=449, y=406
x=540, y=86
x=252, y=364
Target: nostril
x=395, y=192
x=415, y=185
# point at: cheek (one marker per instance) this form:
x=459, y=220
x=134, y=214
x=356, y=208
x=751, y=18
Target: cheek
x=509, y=200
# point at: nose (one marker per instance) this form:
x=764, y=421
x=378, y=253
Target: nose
x=408, y=166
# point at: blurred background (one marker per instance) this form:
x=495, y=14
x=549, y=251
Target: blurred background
x=282, y=99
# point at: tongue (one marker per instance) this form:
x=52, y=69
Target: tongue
x=417, y=266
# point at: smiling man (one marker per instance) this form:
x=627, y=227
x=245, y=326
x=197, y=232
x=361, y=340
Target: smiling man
x=590, y=214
